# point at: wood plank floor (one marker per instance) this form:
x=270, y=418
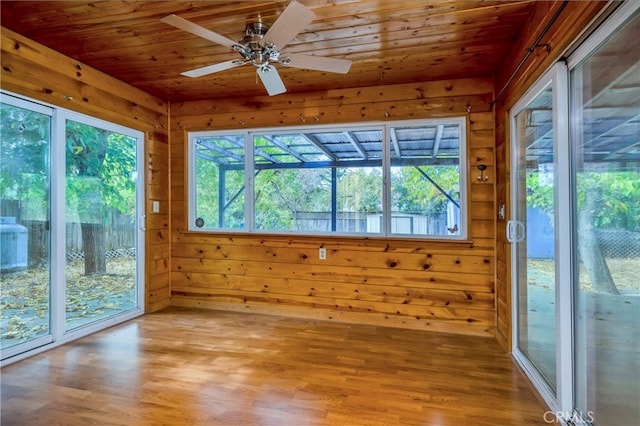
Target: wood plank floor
x=202, y=367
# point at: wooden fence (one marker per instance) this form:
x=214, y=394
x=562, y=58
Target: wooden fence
x=120, y=232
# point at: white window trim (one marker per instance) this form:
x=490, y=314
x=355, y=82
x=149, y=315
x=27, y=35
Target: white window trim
x=382, y=126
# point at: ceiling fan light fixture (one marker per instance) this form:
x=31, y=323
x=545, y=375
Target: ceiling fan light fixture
x=258, y=58
x=261, y=45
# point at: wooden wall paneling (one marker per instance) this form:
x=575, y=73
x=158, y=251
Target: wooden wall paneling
x=158, y=256
x=203, y=283
x=331, y=99
x=341, y=113
x=38, y=72
x=179, y=180
x=384, y=93
x=44, y=74
x=503, y=248
x=481, y=210
x=432, y=285
x=342, y=262
x=571, y=23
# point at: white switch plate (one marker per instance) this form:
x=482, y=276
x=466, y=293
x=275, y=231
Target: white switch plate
x=156, y=206
x=322, y=253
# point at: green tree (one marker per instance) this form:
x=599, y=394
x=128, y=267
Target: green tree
x=361, y=190
x=617, y=197
x=414, y=193
x=605, y=200
x=99, y=167
x=207, y=194
x=283, y=193
x=24, y=160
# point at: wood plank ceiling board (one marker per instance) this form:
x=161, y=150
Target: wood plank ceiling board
x=389, y=42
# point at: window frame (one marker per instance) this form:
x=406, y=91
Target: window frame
x=383, y=127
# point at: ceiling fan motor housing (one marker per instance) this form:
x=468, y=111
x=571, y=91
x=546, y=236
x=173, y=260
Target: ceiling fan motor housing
x=251, y=48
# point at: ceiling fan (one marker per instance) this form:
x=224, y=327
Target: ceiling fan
x=261, y=47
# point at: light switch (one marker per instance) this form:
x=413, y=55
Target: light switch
x=156, y=206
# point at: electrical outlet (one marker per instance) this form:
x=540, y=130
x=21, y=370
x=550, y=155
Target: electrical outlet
x=322, y=253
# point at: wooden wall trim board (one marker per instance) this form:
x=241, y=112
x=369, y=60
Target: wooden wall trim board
x=431, y=285
x=572, y=22
x=35, y=71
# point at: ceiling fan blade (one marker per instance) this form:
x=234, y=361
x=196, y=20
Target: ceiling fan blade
x=196, y=29
x=271, y=80
x=293, y=20
x=318, y=63
x=210, y=69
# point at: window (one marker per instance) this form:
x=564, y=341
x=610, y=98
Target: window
x=219, y=165
x=425, y=180
x=332, y=180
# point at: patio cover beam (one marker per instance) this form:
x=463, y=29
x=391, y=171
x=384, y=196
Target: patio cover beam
x=438, y=139
x=358, y=147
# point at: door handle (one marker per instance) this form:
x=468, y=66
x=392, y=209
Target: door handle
x=515, y=231
x=142, y=222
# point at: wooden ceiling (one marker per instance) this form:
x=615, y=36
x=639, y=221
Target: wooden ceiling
x=389, y=41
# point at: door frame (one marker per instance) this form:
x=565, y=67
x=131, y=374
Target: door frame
x=560, y=400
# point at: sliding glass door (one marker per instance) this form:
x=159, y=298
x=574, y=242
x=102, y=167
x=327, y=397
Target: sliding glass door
x=575, y=228
x=70, y=207
x=605, y=93
x=539, y=256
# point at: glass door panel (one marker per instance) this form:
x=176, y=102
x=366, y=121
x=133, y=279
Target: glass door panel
x=25, y=135
x=605, y=91
x=535, y=260
x=101, y=232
